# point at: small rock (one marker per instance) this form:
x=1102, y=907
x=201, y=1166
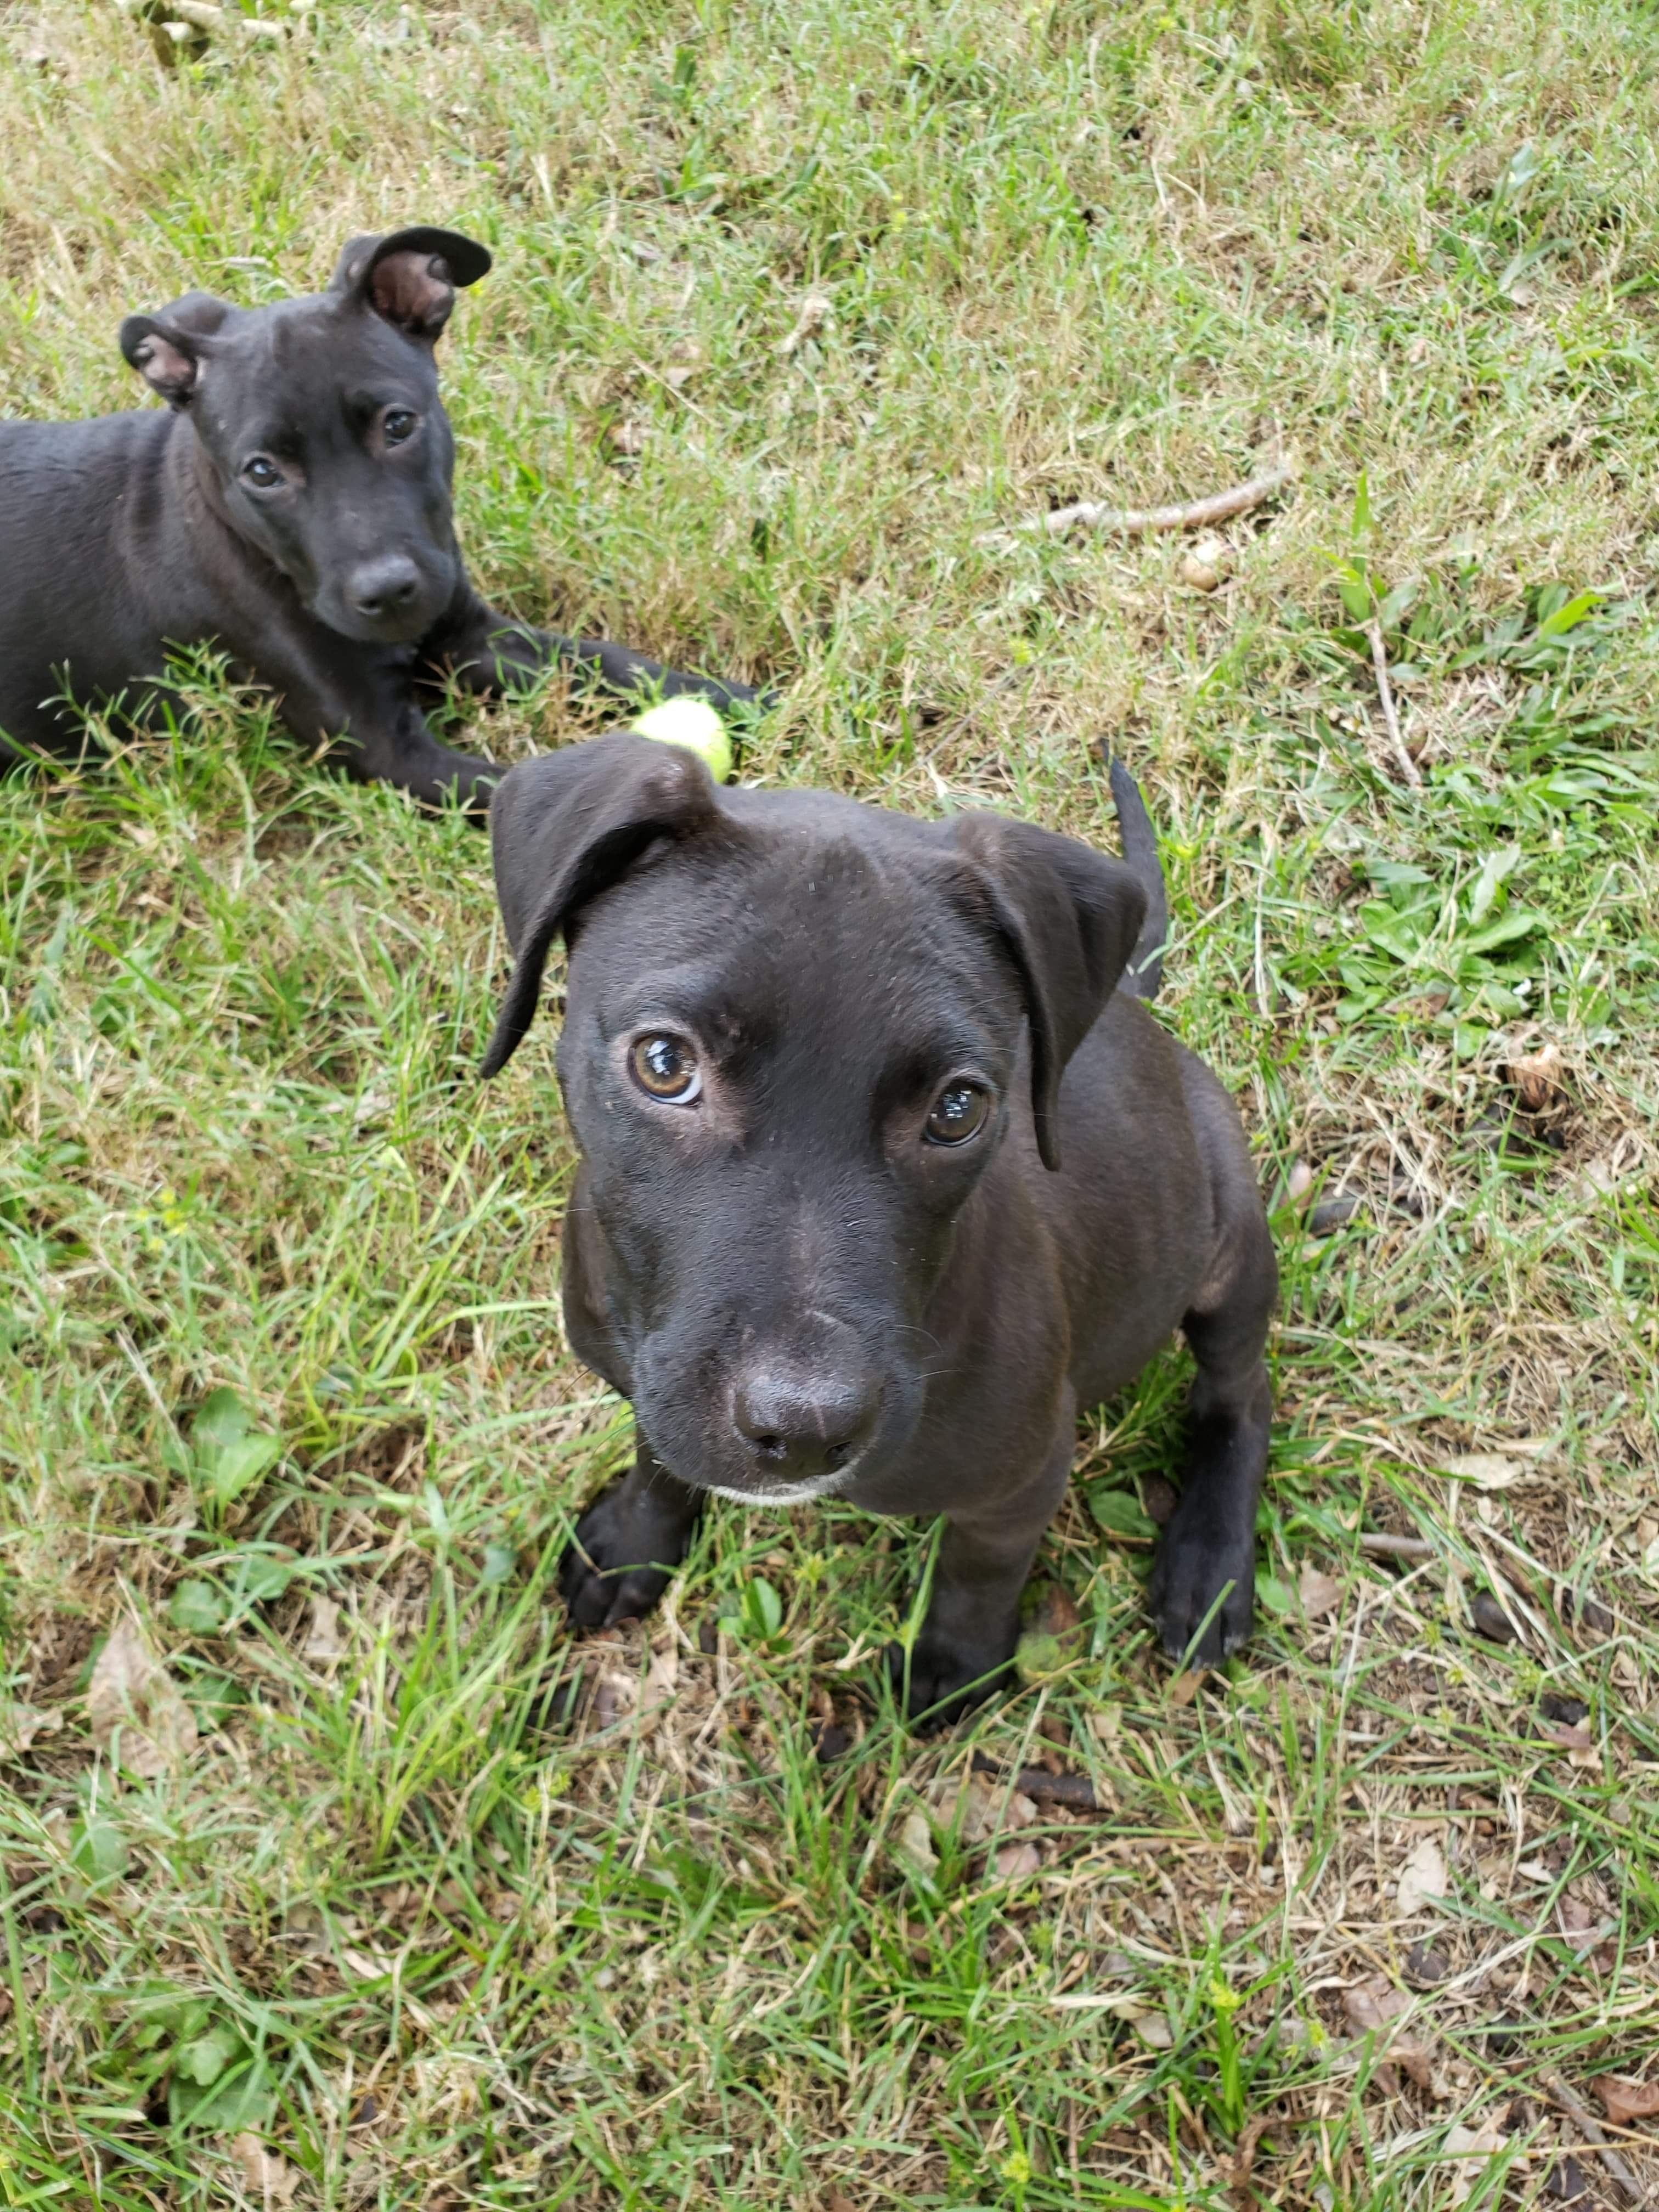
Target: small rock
x=1425, y=1968
x=1018, y=1861
x=1329, y=1215
x=831, y=1742
x=1198, y=576
x=1490, y=1617
x=1502, y=2037
x=1565, y=2182
x=1554, y=1706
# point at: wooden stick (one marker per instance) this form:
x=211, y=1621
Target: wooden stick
x=1385, y=693
x=1138, y=521
x=1590, y=2128
x=1396, y=1548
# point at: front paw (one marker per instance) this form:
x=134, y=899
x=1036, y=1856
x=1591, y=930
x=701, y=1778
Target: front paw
x=946, y=1675
x=618, y=1564
x=1197, y=1560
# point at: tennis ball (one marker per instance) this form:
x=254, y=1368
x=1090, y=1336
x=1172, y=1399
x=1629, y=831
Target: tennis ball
x=694, y=724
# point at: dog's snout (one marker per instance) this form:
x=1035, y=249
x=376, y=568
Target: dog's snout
x=384, y=588
x=801, y=1423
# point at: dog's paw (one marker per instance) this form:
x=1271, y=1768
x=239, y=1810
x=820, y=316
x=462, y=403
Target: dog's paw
x=620, y=1562
x=944, y=1676
x=1196, y=1561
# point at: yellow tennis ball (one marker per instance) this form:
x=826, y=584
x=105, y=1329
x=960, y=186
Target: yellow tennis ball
x=694, y=724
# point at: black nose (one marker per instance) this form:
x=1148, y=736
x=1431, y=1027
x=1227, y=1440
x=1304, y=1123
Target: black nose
x=384, y=588
x=802, y=1422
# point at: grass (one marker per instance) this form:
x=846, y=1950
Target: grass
x=284, y=1379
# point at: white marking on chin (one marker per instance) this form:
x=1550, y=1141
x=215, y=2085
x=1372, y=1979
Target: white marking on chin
x=789, y=1493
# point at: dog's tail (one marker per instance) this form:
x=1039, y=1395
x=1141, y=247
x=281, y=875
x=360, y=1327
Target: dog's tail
x=1144, y=972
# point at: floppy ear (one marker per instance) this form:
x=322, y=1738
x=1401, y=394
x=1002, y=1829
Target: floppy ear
x=1068, y=917
x=166, y=350
x=409, y=277
x=565, y=827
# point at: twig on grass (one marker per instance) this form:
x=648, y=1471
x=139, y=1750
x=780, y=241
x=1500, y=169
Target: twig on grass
x=1140, y=521
x=1381, y=1547
x=1590, y=2128
x=1385, y=692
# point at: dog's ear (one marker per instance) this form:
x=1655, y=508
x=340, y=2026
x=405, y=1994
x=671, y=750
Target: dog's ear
x=566, y=827
x=409, y=277
x=166, y=350
x=1067, y=918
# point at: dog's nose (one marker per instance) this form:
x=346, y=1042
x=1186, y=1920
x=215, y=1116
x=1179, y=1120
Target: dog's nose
x=801, y=1423
x=384, y=588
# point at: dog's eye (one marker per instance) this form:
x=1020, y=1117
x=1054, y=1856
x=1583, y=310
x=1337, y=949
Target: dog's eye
x=397, y=424
x=959, y=1112
x=664, y=1067
x=263, y=474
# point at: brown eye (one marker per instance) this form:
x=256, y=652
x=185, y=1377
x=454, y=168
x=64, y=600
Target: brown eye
x=666, y=1067
x=959, y=1112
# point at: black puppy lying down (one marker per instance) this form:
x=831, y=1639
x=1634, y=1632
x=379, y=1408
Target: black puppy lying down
x=292, y=506
x=884, y=1177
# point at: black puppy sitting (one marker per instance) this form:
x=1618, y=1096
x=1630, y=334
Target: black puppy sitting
x=292, y=507
x=882, y=1179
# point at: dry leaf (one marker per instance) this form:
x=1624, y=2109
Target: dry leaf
x=270, y=2180
x=1373, y=2003
x=915, y=1845
x=1473, y=2148
x=1576, y=1742
x=1417, y=2060
x=1626, y=2101
x=1537, y=1076
x=21, y=1724
x=323, y=1638
x=1152, y=2029
x=1184, y=1688
x=135, y=1706
x=815, y=311
x=1485, y=1470
x=1423, y=1876
x=982, y=1809
x=1017, y=1862
x=1319, y=1594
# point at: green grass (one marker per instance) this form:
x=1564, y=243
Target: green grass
x=404, y=1913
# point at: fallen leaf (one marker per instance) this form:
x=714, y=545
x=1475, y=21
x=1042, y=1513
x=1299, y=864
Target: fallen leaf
x=270, y=2180
x=1373, y=2003
x=1018, y=1861
x=1422, y=1876
x=1184, y=1688
x=1418, y=2061
x=915, y=1845
x=1485, y=1470
x=1536, y=1077
x=1425, y=1966
x=322, y=1637
x=1473, y=2148
x=1626, y=2101
x=21, y=1724
x=815, y=311
x=1576, y=1742
x=136, y=1709
x=1152, y=2029
x=1319, y=1594
x=982, y=1809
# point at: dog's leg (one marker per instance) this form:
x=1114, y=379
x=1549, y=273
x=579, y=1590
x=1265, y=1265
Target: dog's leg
x=1205, y=1576
x=487, y=652
x=628, y=1544
x=972, y=1625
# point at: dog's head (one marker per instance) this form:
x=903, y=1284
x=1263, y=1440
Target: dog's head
x=321, y=425
x=797, y=1033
